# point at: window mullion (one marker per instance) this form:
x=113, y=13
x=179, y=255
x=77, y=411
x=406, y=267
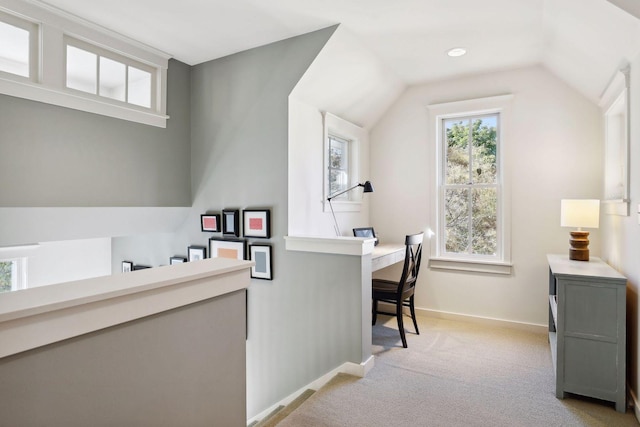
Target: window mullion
x=97, y=74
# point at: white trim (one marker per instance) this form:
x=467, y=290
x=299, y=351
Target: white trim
x=330, y=245
x=496, y=104
x=634, y=402
x=47, y=85
x=531, y=327
x=43, y=315
x=492, y=267
x=340, y=128
x=357, y=370
x=102, y=106
x=615, y=105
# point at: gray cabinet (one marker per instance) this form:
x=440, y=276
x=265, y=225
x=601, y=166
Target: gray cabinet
x=587, y=329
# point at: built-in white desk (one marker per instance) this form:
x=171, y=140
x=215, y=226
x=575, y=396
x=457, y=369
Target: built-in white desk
x=385, y=255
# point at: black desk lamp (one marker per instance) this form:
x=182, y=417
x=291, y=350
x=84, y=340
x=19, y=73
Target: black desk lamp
x=368, y=188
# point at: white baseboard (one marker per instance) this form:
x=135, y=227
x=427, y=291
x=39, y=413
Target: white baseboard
x=491, y=321
x=355, y=369
x=531, y=327
x=634, y=402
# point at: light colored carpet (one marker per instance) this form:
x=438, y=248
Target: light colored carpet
x=454, y=374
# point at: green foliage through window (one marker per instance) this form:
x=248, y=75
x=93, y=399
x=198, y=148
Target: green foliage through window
x=471, y=184
x=338, y=165
x=6, y=274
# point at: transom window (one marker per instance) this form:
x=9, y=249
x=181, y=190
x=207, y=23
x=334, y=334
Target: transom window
x=19, y=40
x=105, y=74
x=470, y=185
x=50, y=56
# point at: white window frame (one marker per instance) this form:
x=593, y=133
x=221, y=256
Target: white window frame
x=615, y=106
x=501, y=262
x=339, y=128
x=103, y=53
x=48, y=84
x=34, y=46
x=19, y=276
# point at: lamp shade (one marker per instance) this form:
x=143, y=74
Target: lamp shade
x=580, y=213
x=368, y=187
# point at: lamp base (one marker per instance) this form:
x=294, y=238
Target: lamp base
x=579, y=250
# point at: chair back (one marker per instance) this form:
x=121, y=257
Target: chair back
x=411, y=268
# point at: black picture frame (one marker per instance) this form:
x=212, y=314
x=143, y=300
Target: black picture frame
x=196, y=253
x=227, y=248
x=177, y=260
x=231, y=222
x=261, y=255
x=127, y=266
x=210, y=222
x=256, y=223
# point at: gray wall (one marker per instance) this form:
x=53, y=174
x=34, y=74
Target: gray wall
x=308, y=320
x=299, y=323
x=185, y=367
x=53, y=156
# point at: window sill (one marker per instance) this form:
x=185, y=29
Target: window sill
x=343, y=206
x=489, y=267
x=48, y=95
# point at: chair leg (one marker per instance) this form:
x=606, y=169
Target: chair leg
x=413, y=314
x=401, y=323
x=374, y=312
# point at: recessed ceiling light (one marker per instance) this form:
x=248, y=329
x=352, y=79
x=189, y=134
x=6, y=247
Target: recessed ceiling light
x=456, y=51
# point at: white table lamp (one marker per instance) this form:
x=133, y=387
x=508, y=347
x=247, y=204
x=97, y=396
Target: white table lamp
x=579, y=214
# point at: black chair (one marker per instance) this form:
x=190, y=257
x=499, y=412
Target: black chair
x=400, y=293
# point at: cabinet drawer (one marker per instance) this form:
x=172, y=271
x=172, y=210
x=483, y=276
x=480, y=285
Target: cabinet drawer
x=591, y=310
x=590, y=367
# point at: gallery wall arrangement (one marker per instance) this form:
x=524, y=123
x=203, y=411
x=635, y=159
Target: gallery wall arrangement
x=231, y=239
x=227, y=241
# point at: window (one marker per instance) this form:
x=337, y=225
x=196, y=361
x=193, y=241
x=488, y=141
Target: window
x=470, y=185
x=471, y=222
x=342, y=154
x=12, y=274
x=615, y=104
x=19, y=46
x=105, y=74
x=338, y=166
x=84, y=67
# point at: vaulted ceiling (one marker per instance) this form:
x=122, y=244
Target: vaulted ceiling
x=582, y=41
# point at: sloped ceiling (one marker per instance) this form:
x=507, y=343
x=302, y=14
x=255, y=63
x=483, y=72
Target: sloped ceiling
x=582, y=41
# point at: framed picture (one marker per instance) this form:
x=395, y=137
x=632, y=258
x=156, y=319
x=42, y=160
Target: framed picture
x=227, y=248
x=261, y=255
x=256, y=223
x=210, y=222
x=127, y=266
x=141, y=267
x=231, y=222
x=177, y=260
x=196, y=253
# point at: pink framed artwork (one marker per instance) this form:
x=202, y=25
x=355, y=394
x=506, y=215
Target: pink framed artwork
x=256, y=223
x=210, y=222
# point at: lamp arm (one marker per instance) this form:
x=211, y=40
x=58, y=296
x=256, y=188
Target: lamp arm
x=335, y=221
x=333, y=196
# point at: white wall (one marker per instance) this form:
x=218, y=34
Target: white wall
x=555, y=153
x=63, y=261
x=621, y=236
x=350, y=83
x=307, y=214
